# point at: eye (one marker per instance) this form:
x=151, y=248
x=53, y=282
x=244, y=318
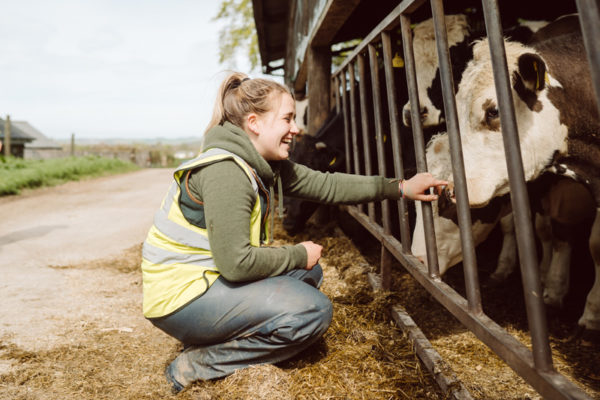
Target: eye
x=491, y=114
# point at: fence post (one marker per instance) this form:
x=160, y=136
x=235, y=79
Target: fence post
x=7, y=137
x=72, y=144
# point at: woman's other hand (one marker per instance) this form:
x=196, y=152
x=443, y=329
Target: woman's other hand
x=313, y=252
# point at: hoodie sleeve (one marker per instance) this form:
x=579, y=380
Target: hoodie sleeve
x=228, y=203
x=335, y=188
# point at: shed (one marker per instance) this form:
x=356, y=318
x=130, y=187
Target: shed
x=41, y=147
x=18, y=138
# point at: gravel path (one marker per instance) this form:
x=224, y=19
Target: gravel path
x=45, y=230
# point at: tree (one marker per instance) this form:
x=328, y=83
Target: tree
x=239, y=33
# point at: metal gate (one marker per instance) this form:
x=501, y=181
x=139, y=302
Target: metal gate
x=350, y=90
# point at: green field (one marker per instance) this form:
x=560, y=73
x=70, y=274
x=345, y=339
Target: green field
x=17, y=174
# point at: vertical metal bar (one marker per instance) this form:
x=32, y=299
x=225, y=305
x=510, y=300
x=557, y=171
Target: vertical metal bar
x=346, y=122
x=364, y=114
x=589, y=17
x=458, y=169
x=395, y=132
x=376, y=91
x=354, y=125
x=413, y=96
x=386, y=258
x=536, y=314
x=336, y=88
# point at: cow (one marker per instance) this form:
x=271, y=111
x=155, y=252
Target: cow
x=557, y=118
x=462, y=30
x=323, y=152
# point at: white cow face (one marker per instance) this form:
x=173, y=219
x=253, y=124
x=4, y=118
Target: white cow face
x=447, y=233
x=540, y=130
x=426, y=63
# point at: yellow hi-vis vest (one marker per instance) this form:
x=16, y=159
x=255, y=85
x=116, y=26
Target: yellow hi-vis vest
x=177, y=264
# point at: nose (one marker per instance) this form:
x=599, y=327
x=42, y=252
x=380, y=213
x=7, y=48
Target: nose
x=294, y=130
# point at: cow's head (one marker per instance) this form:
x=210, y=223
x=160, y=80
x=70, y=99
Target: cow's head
x=425, y=51
x=446, y=228
x=541, y=133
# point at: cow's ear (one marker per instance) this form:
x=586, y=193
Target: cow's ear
x=533, y=70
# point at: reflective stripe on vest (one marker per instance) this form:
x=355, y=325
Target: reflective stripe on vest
x=177, y=264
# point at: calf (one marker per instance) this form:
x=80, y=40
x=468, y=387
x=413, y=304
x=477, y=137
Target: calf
x=557, y=119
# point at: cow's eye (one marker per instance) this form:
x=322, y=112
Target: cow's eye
x=491, y=114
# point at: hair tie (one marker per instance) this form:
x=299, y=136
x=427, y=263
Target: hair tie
x=245, y=79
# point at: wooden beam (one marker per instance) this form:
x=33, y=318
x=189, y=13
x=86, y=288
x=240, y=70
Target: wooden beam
x=333, y=17
x=319, y=67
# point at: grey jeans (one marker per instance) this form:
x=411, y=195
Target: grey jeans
x=235, y=325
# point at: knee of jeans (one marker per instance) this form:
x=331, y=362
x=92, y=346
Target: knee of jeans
x=307, y=322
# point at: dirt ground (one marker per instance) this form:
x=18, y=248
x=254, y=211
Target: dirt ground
x=71, y=325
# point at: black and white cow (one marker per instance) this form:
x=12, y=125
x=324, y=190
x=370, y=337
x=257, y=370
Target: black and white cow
x=557, y=119
x=462, y=30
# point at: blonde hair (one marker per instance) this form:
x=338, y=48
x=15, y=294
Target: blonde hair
x=239, y=96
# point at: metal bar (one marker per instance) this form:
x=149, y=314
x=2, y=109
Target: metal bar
x=390, y=22
x=458, y=169
x=589, y=17
x=413, y=96
x=336, y=88
x=385, y=204
x=386, y=258
x=536, y=313
x=346, y=122
x=550, y=384
x=354, y=124
x=395, y=133
x=364, y=117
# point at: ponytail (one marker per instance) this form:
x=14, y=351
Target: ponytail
x=239, y=96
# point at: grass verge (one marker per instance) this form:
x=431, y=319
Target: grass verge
x=17, y=174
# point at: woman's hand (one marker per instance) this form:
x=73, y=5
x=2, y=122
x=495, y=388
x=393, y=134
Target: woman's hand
x=313, y=252
x=415, y=187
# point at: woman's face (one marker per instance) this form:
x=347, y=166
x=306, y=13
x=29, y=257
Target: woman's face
x=272, y=132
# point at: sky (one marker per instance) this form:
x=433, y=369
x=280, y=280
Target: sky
x=104, y=69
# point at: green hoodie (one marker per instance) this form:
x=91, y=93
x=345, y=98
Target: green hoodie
x=229, y=199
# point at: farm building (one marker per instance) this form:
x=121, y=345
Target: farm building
x=18, y=138
x=363, y=61
x=41, y=147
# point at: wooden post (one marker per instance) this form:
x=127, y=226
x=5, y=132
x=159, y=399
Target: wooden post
x=319, y=81
x=72, y=144
x=7, y=137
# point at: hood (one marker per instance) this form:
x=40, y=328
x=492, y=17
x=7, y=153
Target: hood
x=234, y=139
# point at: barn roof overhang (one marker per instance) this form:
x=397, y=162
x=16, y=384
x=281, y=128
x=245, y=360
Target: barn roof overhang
x=271, y=20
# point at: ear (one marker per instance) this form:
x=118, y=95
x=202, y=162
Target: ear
x=533, y=70
x=252, y=123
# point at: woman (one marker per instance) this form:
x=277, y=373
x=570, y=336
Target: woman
x=207, y=280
